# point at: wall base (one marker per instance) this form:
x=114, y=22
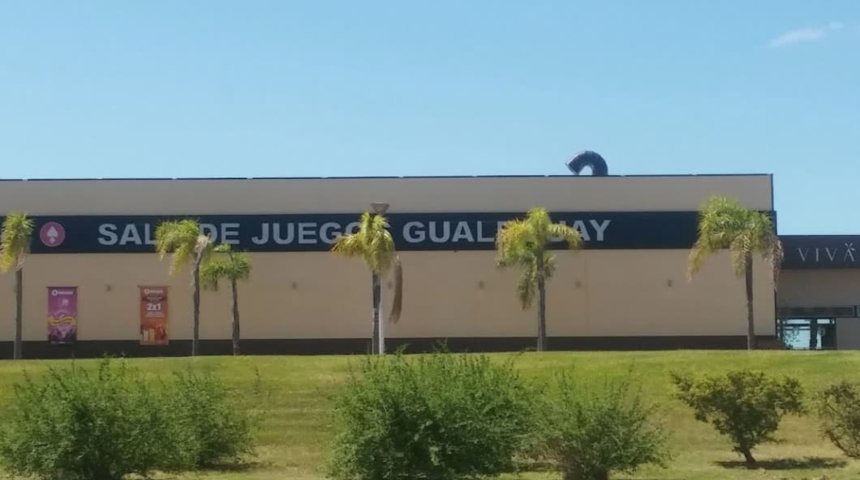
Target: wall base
x=337, y=346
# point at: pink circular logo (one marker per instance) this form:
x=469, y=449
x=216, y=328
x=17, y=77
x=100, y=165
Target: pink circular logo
x=52, y=234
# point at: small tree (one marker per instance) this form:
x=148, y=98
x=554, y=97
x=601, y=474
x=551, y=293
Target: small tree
x=726, y=224
x=14, y=248
x=441, y=417
x=375, y=245
x=743, y=405
x=592, y=433
x=525, y=244
x=187, y=244
x=839, y=410
x=225, y=264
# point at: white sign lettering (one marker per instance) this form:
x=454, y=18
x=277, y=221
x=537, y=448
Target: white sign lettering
x=313, y=234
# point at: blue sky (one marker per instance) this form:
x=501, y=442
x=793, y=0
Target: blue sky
x=342, y=88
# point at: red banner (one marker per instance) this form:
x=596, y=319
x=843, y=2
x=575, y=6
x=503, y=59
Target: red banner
x=153, y=316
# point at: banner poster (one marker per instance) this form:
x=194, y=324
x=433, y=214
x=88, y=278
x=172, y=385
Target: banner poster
x=153, y=316
x=62, y=315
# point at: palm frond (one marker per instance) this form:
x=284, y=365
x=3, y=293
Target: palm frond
x=224, y=264
x=548, y=265
x=15, y=240
x=349, y=245
x=725, y=224
x=523, y=243
x=564, y=233
x=526, y=286
x=202, y=250
x=739, y=249
x=765, y=242
x=212, y=272
x=776, y=256
x=182, y=240
x=515, y=244
x=699, y=254
x=372, y=242
x=397, y=302
x=539, y=223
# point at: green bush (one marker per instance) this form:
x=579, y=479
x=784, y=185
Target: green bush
x=839, y=410
x=440, y=417
x=77, y=424
x=221, y=426
x=85, y=424
x=746, y=406
x=594, y=432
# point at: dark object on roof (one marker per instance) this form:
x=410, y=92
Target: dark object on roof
x=588, y=159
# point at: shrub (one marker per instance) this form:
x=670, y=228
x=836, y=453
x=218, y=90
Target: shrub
x=746, y=406
x=77, y=424
x=221, y=426
x=596, y=432
x=439, y=417
x=839, y=410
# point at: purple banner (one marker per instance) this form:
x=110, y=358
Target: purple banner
x=62, y=315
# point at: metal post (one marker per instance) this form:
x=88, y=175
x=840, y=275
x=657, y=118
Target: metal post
x=379, y=208
x=381, y=321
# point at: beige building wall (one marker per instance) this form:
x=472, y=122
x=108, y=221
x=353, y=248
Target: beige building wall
x=447, y=294
x=819, y=288
x=848, y=334
x=449, y=194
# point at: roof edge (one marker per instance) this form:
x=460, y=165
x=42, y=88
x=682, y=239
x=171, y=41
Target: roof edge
x=148, y=179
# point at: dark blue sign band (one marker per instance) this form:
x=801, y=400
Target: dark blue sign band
x=317, y=232
x=820, y=251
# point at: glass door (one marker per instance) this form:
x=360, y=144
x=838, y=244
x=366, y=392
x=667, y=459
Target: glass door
x=807, y=333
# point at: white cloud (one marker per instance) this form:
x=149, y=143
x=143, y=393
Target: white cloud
x=806, y=35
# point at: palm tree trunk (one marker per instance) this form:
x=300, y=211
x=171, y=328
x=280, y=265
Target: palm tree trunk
x=377, y=294
x=541, y=340
x=748, y=271
x=235, y=316
x=541, y=286
x=195, y=286
x=17, y=349
x=749, y=460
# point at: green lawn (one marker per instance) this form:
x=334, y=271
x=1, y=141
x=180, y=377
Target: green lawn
x=296, y=428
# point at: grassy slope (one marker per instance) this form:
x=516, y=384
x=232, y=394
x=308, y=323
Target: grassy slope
x=296, y=428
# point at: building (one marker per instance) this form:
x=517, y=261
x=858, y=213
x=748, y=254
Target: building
x=92, y=255
x=819, y=286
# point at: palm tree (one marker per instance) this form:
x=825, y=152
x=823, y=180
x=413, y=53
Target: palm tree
x=187, y=244
x=228, y=265
x=14, y=247
x=525, y=244
x=375, y=245
x=726, y=224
